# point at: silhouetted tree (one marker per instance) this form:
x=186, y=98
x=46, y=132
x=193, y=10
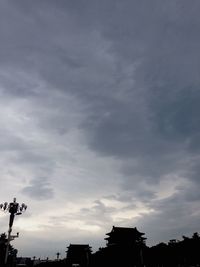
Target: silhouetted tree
x=3, y=241
x=176, y=253
x=12, y=252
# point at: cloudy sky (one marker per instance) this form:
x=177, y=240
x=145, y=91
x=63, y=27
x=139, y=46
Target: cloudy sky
x=99, y=119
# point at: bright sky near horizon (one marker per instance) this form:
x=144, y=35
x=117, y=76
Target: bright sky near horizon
x=99, y=120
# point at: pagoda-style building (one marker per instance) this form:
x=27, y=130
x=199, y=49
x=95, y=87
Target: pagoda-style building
x=124, y=236
x=125, y=247
x=78, y=255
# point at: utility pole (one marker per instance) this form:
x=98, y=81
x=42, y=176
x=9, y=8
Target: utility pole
x=14, y=209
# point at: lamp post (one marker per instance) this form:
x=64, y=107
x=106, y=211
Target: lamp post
x=58, y=255
x=13, y=208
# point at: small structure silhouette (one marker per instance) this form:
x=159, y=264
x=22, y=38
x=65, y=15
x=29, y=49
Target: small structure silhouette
x=78, y=255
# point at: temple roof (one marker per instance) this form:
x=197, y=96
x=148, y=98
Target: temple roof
x=79, y=245
x=124, y=235
x=125, y=230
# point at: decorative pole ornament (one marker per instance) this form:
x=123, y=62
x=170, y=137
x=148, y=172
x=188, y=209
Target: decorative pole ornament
x=14, y=209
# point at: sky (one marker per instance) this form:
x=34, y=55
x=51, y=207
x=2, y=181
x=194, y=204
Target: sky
x=99, y=120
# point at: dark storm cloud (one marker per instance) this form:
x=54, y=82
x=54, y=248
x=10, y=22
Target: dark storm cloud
x=39, y=189
x=156, y=131
x=159, y=112
x=175, y=213
x=158, y=123
x=167, y=75
x=133, y=67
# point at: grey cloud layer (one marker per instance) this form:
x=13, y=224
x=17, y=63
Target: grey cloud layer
x=133, y=68
x=39, y=189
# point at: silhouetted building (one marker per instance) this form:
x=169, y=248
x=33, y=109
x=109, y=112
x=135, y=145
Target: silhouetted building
x=125, y=247
x=78, y=255
x=125, y=236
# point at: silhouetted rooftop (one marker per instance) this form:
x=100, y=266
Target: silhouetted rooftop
x=125, y=230
x=124, y=235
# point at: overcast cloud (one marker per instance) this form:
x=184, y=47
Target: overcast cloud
x=99, y=124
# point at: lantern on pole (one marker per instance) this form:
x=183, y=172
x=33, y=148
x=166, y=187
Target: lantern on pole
x=13, y=208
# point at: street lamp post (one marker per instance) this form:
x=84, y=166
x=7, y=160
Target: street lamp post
x=58, y=255
x=14, y=209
